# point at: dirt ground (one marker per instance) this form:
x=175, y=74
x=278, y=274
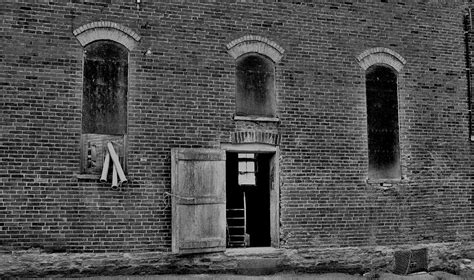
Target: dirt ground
x=234, y=265
x=284, y=276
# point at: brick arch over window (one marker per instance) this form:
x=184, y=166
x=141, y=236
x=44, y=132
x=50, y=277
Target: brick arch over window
x=255, y=44
x=106, y=30
x=381, y=56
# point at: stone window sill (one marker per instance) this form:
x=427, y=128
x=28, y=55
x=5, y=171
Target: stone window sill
x=90, y=177
x=384, y=181
x=256, y=119
x=87, y=176
x=386, y=184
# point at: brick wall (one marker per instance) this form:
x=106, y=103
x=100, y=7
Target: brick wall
x=182, y=95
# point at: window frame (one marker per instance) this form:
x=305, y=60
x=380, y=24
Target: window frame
x=263, y=46
x=379, y=173
x=389, y=58
x=268, y=109
x=247, y=159
x=120, y=141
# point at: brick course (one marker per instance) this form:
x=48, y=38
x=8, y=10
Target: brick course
x=182, y=95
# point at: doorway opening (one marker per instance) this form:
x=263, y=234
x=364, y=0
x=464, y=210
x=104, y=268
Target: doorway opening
x=249, y=183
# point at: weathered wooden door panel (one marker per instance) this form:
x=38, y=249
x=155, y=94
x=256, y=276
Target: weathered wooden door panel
x=198, y=201
x=202, y=228
x=197, y=179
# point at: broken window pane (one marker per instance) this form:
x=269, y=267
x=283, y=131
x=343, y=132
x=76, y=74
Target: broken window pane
x=255, y=94
x=382, y=123
x=94, y=147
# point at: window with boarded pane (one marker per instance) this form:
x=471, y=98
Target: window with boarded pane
x=104, y=107
x=382, y=123
x=255, y=75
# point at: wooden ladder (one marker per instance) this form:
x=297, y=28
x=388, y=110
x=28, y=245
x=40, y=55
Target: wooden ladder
x=237, y=226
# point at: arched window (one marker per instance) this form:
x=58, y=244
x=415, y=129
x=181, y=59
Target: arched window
x=255, y=81
x=104, y=105
x=382, y=123
x=255, y=58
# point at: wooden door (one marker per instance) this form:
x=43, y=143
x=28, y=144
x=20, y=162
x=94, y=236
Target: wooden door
x=198, y=200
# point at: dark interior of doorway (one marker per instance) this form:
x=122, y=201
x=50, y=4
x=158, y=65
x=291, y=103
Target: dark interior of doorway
x=248, y=205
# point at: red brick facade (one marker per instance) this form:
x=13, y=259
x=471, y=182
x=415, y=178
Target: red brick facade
x=181, y=94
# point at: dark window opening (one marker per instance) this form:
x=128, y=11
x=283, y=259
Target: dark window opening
x=255, y=96
x=104, y=105
x=248, y=199
x=105, y=88
x=382, y=123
